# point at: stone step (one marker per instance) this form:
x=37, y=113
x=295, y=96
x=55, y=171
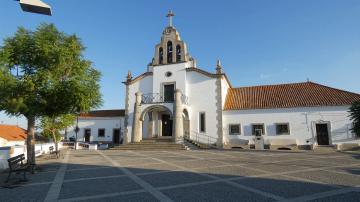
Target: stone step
x=150, y=146
x=324, y=148
x=152, y=140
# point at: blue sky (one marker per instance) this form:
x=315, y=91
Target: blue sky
x=258, y=41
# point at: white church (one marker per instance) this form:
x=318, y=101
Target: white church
x=178, y=101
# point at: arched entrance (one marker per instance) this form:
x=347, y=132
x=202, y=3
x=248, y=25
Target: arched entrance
x=157, y=122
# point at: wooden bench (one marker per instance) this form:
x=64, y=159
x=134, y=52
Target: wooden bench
x=53, y=152
x=16, y=164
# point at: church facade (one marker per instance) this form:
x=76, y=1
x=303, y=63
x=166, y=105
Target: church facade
x=176, y=100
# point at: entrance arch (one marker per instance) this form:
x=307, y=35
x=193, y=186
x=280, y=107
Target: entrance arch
x=157, y=122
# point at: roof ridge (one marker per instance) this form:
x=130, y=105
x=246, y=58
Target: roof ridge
x=280, y=84
x=345, y=91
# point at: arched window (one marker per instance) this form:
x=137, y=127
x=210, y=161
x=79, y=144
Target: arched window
x=178, y=53
x=161, y=55
x=169, y=52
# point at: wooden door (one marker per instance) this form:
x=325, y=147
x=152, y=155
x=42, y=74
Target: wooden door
x=87, y=134
x=322, y=134
x=116, y=136
x=166, y=125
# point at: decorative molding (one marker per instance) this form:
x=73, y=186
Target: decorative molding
x=141, y=76
x=211, y=75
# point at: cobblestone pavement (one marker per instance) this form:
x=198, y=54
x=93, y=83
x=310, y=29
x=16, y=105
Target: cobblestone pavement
x=201, y=175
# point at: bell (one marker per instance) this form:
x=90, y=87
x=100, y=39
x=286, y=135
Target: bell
x=35, y=6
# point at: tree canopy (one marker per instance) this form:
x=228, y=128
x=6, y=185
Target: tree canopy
x=355, y=117
x=44, y=73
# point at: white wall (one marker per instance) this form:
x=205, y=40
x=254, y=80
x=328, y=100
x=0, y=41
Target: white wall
x=302, y=123
x=109, y=124
x=144, y=86
x=202, y=98
x=178, y=76
x=4, y=142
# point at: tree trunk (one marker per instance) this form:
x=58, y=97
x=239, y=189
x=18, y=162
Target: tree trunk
x=30, y=140
x=55, y=140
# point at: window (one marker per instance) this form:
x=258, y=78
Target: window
x=178, y=53
x=161, y=55
x=169, y=52
x=282, y=129
x=258, y=129
x=169, y=90
x=234, y=129
x=202, y=126
x=101, y=132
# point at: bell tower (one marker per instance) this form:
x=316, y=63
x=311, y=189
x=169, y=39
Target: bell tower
x=171, y=48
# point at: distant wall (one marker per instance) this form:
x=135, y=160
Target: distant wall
x=301, y=121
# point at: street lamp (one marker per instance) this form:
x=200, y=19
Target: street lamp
x=35, y=6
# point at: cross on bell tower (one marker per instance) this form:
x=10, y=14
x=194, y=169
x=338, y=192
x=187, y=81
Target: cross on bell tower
x=170, y=15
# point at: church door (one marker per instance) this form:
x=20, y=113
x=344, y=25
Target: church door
x=166, y=125
x=322, y=134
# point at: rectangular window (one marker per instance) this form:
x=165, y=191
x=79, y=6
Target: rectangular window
x=169, y=90
x=282, y=129
x=202, y=122
x=234, y=129
x=258, y=129
x=101, y=132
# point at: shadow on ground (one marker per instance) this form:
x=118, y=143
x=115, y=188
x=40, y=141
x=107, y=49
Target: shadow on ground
x=97, y=181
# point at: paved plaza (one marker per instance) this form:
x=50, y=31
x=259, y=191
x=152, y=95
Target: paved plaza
x=200, y=175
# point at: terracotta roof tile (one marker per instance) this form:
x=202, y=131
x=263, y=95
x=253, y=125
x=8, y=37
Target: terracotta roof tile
x=104, y=113
x=12, y=133
x=307, y=94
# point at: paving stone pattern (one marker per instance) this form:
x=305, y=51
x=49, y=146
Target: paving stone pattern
x=199, y=175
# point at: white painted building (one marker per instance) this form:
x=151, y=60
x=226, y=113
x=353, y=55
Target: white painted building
x=11, y=135
x=174, y=99
x=105, y=126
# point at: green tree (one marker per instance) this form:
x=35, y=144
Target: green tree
x=43, y=73
x=355, y=117
x=52, y=126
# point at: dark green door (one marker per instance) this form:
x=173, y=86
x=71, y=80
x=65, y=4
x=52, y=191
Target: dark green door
x=322, y=134
x=166, y=125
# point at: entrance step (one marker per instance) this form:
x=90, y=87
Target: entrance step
x=157, y=140
x=196, y=145
x=324, y=148
x=150, y=146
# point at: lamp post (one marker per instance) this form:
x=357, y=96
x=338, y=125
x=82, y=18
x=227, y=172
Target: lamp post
x=35, y=6
x=76, y=130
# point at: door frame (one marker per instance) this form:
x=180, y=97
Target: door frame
x=162, y=89
x=328, y=124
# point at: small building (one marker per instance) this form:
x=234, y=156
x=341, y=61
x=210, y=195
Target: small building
x=104, y=126
x=11, y=135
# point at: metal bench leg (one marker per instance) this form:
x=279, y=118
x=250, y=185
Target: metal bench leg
x=24, y=180
x=8, y=177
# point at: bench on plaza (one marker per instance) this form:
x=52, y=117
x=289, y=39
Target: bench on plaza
x=16, y=164
x=53, y=152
